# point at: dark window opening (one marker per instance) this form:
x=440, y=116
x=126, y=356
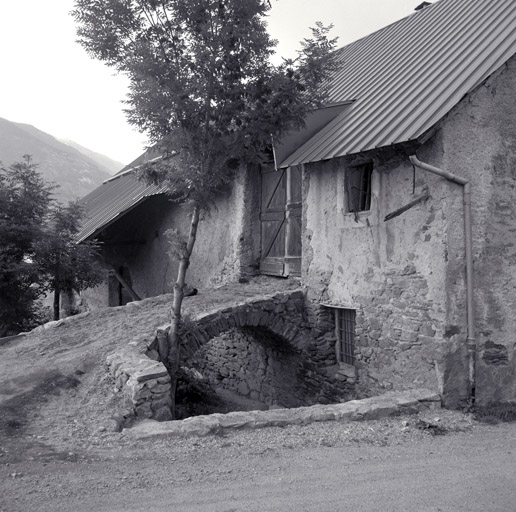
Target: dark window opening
x=358, y=188
x=345, y=320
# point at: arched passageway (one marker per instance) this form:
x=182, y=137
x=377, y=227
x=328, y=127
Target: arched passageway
x=264, y=350
x=258, y=365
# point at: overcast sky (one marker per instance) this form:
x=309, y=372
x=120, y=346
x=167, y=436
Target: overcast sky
x=48, y=81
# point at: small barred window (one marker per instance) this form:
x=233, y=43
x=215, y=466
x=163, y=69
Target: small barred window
x=345, y=320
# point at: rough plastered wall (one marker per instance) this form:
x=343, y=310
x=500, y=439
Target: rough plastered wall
x=391, y=272
x=406, y=277
x=151, y=269
x=479, y=142
x=226, y=248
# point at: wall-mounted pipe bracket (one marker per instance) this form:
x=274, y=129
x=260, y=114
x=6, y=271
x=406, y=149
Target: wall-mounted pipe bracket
x=419, y=199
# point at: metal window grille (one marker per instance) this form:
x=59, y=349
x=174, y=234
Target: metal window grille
x=345, y=320
x=359, y=188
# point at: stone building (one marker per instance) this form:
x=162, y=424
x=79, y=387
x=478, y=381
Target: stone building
x=367, y=207
x=130, y=219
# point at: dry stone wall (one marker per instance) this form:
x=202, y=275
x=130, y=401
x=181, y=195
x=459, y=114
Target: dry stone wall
x=250, y=364
x=396, y=344
x=144, y=383
x=263, y=367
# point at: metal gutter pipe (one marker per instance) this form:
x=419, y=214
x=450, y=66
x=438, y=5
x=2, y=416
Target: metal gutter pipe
x=468, y=240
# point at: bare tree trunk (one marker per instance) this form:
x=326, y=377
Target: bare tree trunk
x=57, y=301
x=173, y=358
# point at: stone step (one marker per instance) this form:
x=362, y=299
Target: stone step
x=389, y=404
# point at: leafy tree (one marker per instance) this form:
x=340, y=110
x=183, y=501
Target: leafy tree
x=203, y=88
x=38, y=252
x=67, y=266
x=24, y=203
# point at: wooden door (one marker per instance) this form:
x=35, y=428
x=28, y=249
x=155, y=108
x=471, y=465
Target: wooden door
x=281, y=222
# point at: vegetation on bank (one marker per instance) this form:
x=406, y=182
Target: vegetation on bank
x=38, y=251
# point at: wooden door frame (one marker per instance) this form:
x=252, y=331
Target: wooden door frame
x=288, y=264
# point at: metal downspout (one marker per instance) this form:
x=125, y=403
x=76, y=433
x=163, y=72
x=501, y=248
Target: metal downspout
x=468, y=240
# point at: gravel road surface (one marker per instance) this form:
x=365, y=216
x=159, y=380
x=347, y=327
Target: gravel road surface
x=386, y=465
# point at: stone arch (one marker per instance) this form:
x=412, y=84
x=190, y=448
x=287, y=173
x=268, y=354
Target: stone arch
x=212, y=325
x=284, y=315
x=275, y=337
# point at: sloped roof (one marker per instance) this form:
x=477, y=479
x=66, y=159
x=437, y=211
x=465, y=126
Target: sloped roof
x=405, y=77
x=395, y=83
x=116, y=197
x=112, y=200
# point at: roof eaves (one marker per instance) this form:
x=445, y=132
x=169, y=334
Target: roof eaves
x=112, y=200
x=132, y=169
x=103, y=226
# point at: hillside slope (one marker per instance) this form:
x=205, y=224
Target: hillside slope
x=104, y=161
x=75, y=173
x=54, y=381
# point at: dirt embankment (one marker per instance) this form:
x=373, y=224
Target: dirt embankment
x=53, y=382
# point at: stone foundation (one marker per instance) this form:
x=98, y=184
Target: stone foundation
x=397, y=339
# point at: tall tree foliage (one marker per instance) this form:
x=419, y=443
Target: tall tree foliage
x=24, y=203
x=202, y=87
x=38, y=252
x=67, y=266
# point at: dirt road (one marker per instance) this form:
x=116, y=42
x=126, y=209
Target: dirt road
x=384, y=465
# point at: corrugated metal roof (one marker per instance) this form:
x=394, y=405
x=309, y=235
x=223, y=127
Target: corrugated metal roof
x=112, y=200
x=314, y=123
x=407, y=76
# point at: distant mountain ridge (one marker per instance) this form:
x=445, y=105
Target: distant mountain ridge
x=102, y=160
x=76, y=172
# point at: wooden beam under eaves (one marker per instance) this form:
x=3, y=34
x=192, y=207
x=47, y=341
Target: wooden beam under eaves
x=125, y=284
